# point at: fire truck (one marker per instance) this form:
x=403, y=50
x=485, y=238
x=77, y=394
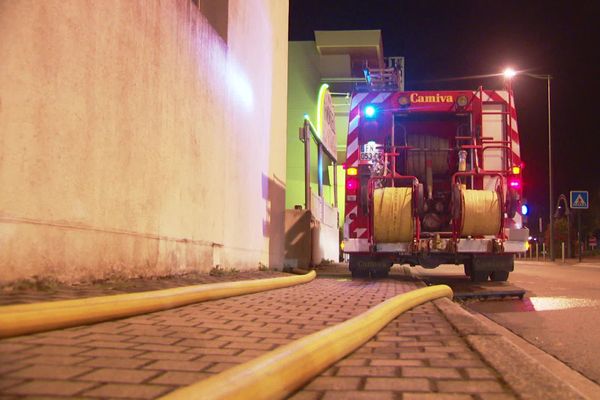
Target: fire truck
x=432, y=177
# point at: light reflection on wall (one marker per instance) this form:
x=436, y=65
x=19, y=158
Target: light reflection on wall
x=239, y=86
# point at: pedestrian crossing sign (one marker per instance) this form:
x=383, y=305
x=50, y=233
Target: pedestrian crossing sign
x=580, y=199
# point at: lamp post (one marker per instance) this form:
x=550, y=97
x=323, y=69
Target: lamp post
x=508, y=74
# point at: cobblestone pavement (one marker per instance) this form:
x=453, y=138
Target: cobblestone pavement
x=417, y=356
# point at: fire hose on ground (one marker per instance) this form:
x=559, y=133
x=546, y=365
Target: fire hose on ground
x=279, y=373
x=24, y=319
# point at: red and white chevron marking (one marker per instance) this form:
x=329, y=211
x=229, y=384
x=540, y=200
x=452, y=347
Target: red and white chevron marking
x=358, y=101
x=502, y=96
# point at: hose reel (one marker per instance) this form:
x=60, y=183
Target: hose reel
x=393, y=219
x=477, y=212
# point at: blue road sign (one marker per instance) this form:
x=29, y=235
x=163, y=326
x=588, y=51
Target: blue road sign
x=579, y=199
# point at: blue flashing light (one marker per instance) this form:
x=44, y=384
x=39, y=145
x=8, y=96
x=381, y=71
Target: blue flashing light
x=524, y=209
x=370, y=111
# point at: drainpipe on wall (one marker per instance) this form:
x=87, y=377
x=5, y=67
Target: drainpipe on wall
x=305, y=138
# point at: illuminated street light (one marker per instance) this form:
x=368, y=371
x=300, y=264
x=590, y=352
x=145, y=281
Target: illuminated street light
x=508, y=74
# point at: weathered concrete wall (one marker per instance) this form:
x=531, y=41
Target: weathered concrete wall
x=135, y=140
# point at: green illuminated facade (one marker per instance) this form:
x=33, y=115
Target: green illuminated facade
x=335, y=58
x=304, y=82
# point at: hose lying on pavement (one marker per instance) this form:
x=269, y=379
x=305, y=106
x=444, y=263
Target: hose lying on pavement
x=24, y=319
x=278, y=373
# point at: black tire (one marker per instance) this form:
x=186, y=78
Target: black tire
x=380, y=273
x=499, y=276
x=359, y=273
x=468, y=268
x=479, y=276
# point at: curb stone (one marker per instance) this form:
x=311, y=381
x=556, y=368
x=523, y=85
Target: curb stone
x=522, y=373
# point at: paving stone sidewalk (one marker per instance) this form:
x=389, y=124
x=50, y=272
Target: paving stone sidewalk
x=417, y=356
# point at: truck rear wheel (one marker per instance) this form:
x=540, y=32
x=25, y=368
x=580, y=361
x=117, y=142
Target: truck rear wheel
x=468, y=268
x=499, y=276
x=357, y=267
x=479, y=276
x=495, y=266
x=359, y=273
x=380, y=273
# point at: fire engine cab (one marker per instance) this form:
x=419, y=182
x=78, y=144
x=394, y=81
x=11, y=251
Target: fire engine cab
x=432, y=177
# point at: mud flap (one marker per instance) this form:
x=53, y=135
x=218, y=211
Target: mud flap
x=362, y=267
x=496, y=266
x=493, y=262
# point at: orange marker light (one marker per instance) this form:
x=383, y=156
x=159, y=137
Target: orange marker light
x=516, y=170
x=352, y=171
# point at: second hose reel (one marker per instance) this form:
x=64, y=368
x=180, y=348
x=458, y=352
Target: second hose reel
x=476, y=212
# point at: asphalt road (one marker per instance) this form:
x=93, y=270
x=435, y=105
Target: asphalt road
x=559, y=314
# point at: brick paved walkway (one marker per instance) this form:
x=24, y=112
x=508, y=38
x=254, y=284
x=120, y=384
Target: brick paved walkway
x=417, y=356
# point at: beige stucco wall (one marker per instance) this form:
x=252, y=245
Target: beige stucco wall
x=135, y=141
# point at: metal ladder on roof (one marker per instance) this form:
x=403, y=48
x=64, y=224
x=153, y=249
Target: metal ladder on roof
x=389, y=78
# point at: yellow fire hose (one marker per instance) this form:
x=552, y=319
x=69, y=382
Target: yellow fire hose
x=38, y=317
x=277, y=374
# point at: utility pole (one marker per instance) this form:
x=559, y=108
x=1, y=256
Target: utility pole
x=548, y=77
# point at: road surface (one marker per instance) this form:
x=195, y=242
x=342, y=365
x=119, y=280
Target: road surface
x=560, y=313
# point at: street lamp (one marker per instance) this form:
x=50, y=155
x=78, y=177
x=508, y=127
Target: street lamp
x=508, y=74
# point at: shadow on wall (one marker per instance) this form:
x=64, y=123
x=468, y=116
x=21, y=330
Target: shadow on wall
x=273, y=192
x=216, y=13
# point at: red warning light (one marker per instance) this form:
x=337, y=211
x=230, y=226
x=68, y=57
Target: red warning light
x=351, y=185
x=514, y=183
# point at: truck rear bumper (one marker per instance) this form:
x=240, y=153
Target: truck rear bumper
x=429, y=246
x=356, y=245
x=511, y=246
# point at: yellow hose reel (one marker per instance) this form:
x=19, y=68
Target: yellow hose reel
x=393, y=220
x=480, y=212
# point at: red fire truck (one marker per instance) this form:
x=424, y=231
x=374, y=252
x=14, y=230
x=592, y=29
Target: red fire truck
x=432, y=177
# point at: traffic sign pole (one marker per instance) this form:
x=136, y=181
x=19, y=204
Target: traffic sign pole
x=579, y=233
x=579, y=200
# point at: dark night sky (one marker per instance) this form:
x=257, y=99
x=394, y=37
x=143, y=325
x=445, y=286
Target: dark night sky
x=444, y=39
